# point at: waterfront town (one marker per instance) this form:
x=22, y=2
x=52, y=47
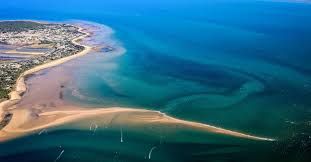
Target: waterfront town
x=25, y=38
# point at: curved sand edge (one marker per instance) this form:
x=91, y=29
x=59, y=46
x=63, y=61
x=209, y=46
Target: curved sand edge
x=24, y=121
x=20, y=86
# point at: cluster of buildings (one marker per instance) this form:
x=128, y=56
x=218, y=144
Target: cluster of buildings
x=58, y=36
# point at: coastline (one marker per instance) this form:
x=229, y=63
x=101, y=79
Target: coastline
x=26, y=121
x=20, y=86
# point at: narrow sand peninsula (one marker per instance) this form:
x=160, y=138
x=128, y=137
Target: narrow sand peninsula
x=26, y=121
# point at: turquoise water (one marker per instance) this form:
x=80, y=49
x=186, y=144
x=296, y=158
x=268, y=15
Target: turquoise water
x=242, y=65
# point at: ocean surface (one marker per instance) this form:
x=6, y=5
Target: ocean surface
x=241, y=65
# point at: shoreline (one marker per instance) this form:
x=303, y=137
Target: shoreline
x=20, y=86
x=26, y=121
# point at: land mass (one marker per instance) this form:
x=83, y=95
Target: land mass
x=27, y=34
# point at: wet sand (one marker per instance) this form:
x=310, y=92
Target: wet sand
x=25, y=121
x=21, y=88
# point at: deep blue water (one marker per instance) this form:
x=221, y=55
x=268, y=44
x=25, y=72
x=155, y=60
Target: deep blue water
x=242, y=65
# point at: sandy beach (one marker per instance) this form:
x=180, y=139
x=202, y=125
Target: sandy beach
x=20, y=86
x=24, y=121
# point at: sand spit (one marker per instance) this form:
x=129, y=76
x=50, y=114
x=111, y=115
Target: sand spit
x=25, y=121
